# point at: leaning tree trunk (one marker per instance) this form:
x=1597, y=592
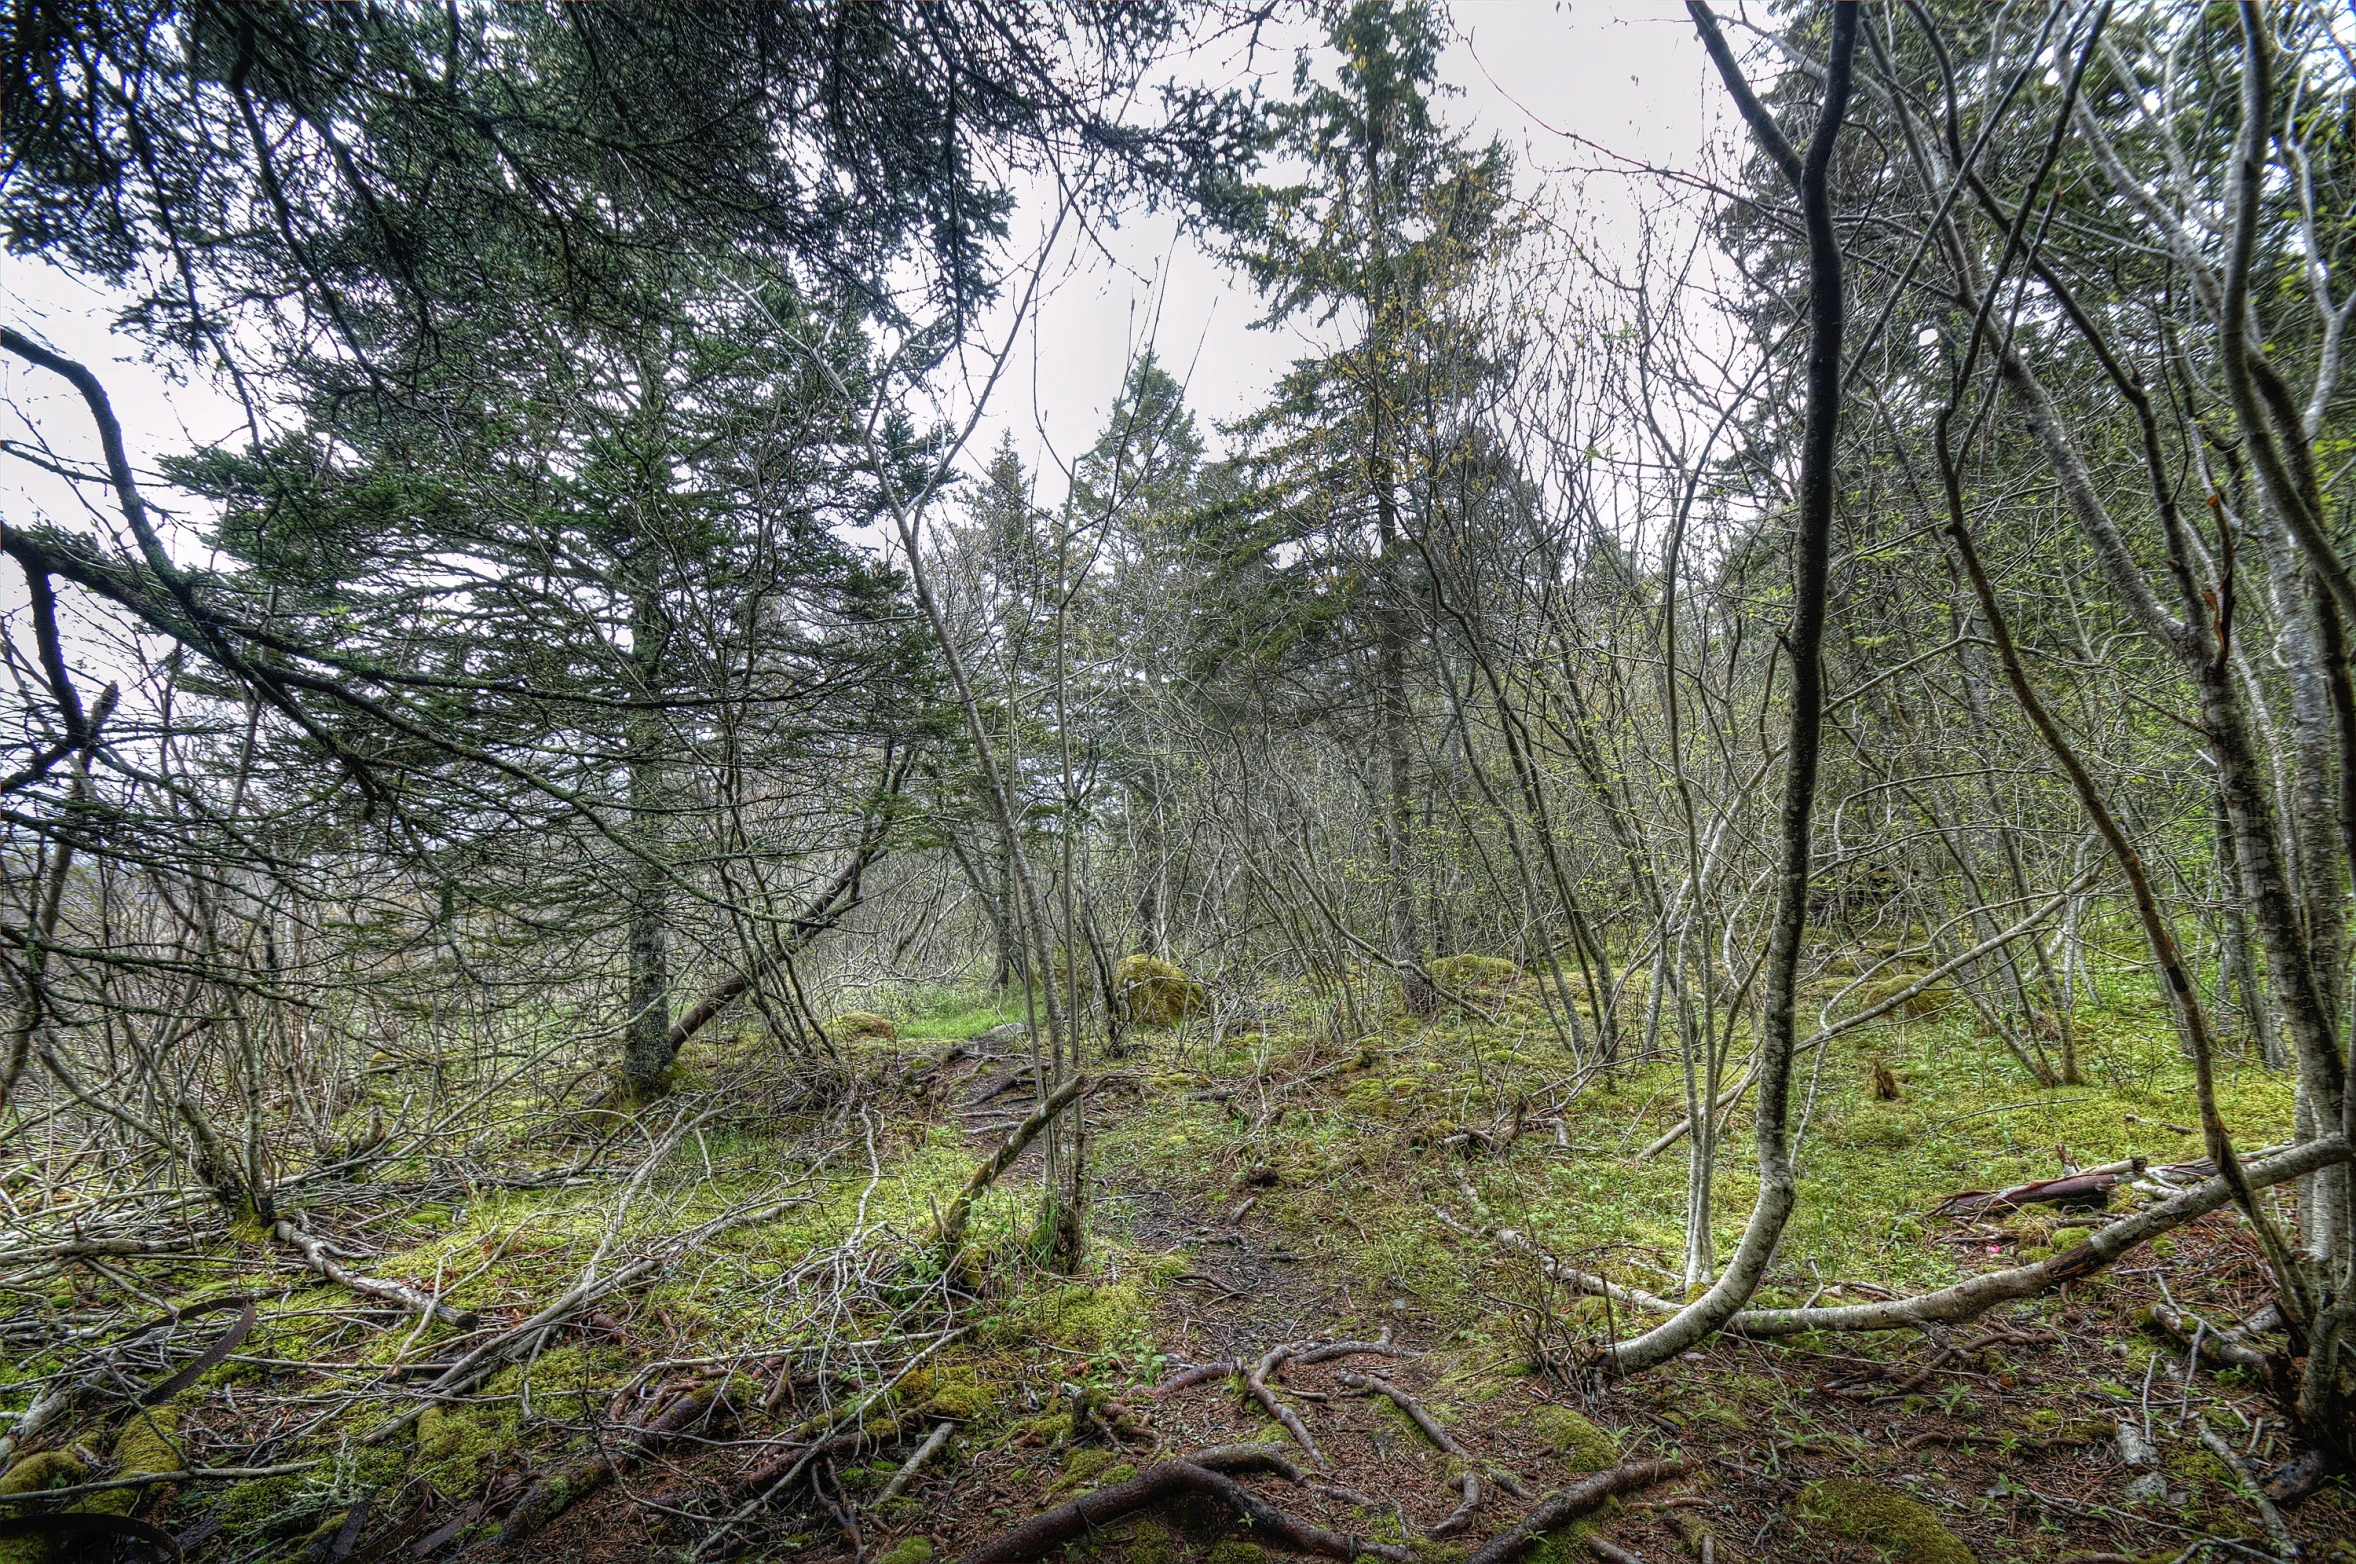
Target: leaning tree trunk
x=1812, y=550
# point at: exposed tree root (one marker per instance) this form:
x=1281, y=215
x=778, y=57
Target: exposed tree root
x=1255, y=1380
x=1460, y=1517
x=1423, y=1419
x=1582, y=1497
x=1048, y=1531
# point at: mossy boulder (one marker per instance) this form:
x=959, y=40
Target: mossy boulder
x=1929, y=1002
x=956, y=1391
x=862, y=1026
x=1583, y=1446
x=1157, y=992
x=1463, y=973
x=1905, y=1531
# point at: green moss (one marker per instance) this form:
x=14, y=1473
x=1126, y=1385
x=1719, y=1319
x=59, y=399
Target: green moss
x=1474, y=972
x=1567, y=1546
x=251, y=1506
x=44, y=1470
x=959, y=1392
x=1083, y=1464
x=1904, y=1530
x=1089, y=1319
x=909, y=1550
x=1236, y=1551
x=1052, y=1428
x=1157, y=992
x=146, y=1443
x=455, y=1445
x=1152, y=1543
x=864, y=1026
x=1584, y=1447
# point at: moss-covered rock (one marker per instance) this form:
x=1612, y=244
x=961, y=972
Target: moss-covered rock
x=1157, y=992
x=1461, y=973
x=1583, y=1446
x=865, y=1026
x=1906, y=1531
x=957, y=1391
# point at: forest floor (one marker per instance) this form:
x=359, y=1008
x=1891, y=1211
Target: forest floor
x=1251, y=1188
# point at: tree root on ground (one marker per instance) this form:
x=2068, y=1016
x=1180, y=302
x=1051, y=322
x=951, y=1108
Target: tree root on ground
x=1045, y=1533
x=1416, y=1412
x=1581, y=1498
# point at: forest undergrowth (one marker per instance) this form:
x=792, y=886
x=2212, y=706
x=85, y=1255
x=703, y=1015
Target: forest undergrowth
x=720, y=1326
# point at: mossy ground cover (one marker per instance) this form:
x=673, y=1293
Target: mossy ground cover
x=1273, y=1181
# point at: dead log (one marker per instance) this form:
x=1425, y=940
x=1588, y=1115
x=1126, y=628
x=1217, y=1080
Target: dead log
x=1046, y=1533
x=951, y=1231
x=2076, y=1192
x=1581, y=1498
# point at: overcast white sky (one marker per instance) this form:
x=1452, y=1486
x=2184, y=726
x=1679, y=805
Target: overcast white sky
x=1628, y=76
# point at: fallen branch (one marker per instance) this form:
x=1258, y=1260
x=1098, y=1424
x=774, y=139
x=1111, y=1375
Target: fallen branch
x=2277, y=1532
x=2218, y=1349
x=910, y=1467
x=2077, y=1192
x=1047, y=1532
x=1970, y=1299
x=319, y=1255
x=486, y=1357
x=951, y=1230
x=193, y=1474
x=551, y=1495
x=92, y=1248
x=1581, y=1498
